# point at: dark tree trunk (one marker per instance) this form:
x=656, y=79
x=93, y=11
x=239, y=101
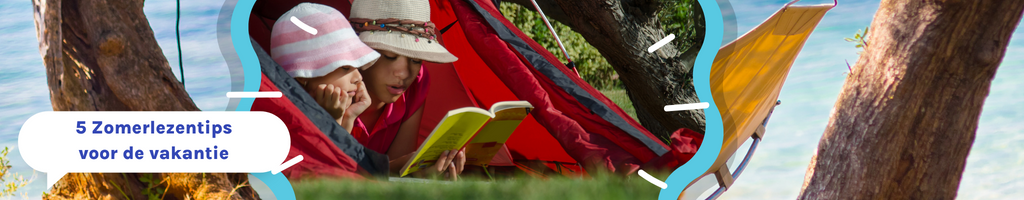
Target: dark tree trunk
x=102, y=56
x=622, y=30
x=907, y=116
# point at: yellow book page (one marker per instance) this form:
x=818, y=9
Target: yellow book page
x=451, y=133
x=489, y=140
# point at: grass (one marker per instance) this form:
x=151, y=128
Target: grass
x=619, y=96
x=562, y=188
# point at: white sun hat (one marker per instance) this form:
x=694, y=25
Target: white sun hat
x=400, y=26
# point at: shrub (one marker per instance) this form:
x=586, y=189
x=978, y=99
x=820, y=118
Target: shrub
x=675, y=18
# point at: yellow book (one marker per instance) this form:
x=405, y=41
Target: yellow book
x=491, y=129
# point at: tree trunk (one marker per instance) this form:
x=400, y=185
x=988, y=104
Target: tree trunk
x=102, y=56
x=907, y=116
x=622, y=30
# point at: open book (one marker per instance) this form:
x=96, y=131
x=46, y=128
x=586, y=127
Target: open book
x=488, y=130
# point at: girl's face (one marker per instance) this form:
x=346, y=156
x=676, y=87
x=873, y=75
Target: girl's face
x=345, y=77
x=390, y=76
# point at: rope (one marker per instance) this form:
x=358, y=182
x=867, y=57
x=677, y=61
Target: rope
x=177, y=35
x=411, y=27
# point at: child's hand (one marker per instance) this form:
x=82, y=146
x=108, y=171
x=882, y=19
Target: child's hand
x=359, y=103
x=332, y=99
x=449, y=165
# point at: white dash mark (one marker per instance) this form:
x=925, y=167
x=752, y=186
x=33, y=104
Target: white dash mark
x=303, y=26
x=651, y=179
x=286, y=165
x=661, y=42
x=689, y=106
x=254, y=94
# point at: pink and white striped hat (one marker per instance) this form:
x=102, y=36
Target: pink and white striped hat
x=312, y=40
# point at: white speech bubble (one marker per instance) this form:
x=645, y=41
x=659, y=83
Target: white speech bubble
x=50, y=142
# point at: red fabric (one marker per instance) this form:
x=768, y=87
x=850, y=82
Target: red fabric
x=591, y=122
x=393, y=115
x=320, y=156
x=531, y=141
x=259, y=30
x=584, y=135
x=587, y=148
x=493, y=11
x=685, y=143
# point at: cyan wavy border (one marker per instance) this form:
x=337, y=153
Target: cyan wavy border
x=246, y=54
x=278, y=184
x=677, y=181
x=713, y=134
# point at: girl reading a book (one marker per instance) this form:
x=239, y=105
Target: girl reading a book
x=402, y=33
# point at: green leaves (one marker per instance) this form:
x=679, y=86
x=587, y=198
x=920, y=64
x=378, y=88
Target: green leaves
x=860, y=39
x=152, y=190
x=11, y=181
x=675, y=17
x=591, y=65
x=678, y=17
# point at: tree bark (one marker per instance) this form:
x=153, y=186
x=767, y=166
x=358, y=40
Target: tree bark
x=102, y=56
x=905, y=121
x=622, y=30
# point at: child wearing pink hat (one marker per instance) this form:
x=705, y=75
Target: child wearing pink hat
x=316, y=45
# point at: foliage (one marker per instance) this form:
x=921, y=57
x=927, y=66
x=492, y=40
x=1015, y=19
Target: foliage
x=11, y=181
x=679, y=17
x=591, y=65
x=152, y=190
x=675, y=18
x=860, y=39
